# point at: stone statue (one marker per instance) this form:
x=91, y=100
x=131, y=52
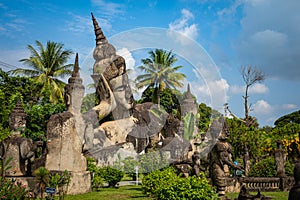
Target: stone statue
x=17, y=148
x=64, y=137
x=220, y=158
x=246, y=160
x=245, y=195
x=295, y=191
x=280, y=159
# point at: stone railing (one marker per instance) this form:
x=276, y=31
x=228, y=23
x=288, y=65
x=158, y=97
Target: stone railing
x=260, y=183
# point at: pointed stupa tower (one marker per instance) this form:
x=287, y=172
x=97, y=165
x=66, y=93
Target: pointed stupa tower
x=100, y=37
x=188, y=104
x=104, y=53
x=74, y=90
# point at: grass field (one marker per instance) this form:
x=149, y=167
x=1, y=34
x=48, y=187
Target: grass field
x=136, y=193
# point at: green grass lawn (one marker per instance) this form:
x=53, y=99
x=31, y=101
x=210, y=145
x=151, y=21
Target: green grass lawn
x=136, y=193
x=124, y=192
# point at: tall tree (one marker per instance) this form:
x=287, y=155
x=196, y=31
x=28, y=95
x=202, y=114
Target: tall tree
x=48, y=65
x=160, y=72
x=251, y=75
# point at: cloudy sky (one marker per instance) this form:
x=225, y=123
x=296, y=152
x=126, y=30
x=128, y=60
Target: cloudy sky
x=212, y=39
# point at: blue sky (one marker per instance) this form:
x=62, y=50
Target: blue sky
x=213, y=39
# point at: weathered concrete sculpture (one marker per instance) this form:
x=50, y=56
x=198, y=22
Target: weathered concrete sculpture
x=64, y=139
x=112, y=68
x=295, y=191
x=280, y=159
x=220, y=159
x=17, y=148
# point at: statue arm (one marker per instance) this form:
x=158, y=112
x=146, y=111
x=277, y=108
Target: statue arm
x=226, y=160
x=107, y=105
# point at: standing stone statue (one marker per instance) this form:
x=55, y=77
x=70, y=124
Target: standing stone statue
x=220, y=157
x=246, y=160
x=280, y=159
x=17, y=148
x=64, y=137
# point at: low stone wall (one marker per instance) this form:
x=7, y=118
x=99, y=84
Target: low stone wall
x=259, y=183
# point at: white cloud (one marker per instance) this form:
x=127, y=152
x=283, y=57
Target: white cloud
x=79, y=24
x=262, y=107
x=126, y=54
x=269, y=37
x=183, y=26
x=289, y=106
x=211, y=92
x=258, y=88
x=108, y=9
x=236, y=89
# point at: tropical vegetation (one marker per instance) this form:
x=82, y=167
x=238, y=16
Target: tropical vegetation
x=48, y=65
x=159, y=72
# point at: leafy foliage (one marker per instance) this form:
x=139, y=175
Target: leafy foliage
x=111, y=175
x=47, y=66
x=152, y=161
x=38, y=117
x=13, y=190
x=169, y=98
x=166, y=184
x=264, y=168
x=12, y=89
x=97, y=180
x=130, y=165
x=289, y=118
x=160, y=72
x=242, y=136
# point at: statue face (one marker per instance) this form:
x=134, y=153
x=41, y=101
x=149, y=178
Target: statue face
x=122, y=91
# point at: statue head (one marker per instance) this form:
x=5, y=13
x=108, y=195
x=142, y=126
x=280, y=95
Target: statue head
x=17, y=118
x=74, y=90
x=122, y=91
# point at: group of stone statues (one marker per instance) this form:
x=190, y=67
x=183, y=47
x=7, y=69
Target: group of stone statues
x=136, y=129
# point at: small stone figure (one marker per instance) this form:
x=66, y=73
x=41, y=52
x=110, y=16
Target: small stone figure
x=280, y=159
x=295, y=191
x=197, y=168
x=220, y=156
x=245, y=195
x=246, y=160
x=17, y=148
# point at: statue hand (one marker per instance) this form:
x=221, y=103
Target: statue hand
x=135, y=120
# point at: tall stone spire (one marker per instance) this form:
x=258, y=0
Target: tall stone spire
x=100, y=37
x=188, y=103
x=188, y=93
x=75, y=78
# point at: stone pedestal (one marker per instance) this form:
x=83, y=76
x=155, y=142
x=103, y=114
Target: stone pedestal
x=80, y=183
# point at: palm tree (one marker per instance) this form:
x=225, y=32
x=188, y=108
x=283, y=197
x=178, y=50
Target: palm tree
x=160, y=72
x=42, y=176
x=48, y=64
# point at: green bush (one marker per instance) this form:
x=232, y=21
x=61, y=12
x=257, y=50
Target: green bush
x=111, y=175
x=289, y=168
x=166, y=185
x=264, y=168
x=96, y=178
x=130, y=165
x=13, y=190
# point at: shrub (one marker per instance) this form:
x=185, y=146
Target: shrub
x=111, y=175
x=13, y=190
x=130, y=165
x=166, y=185
x=264, y=168
x=96, y=178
